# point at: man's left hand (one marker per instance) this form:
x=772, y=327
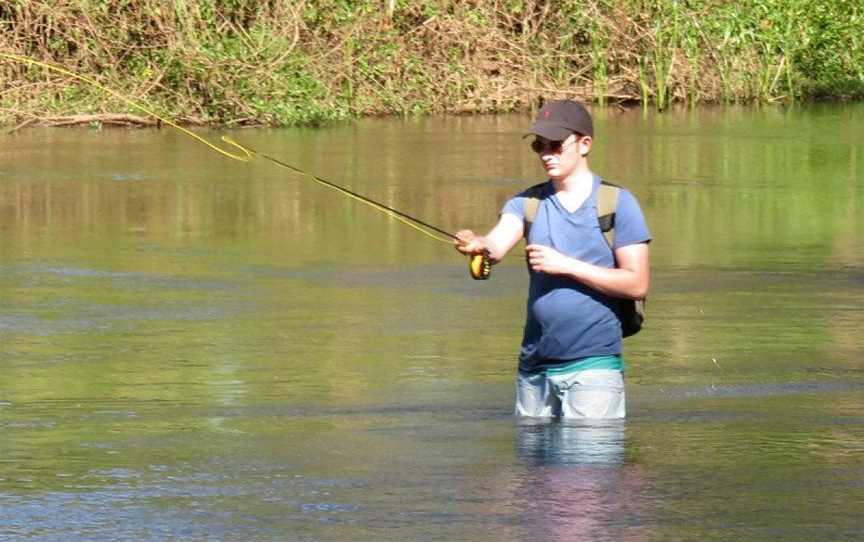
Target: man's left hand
x=545, y=259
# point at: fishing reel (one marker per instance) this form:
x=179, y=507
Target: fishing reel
x=480, y=265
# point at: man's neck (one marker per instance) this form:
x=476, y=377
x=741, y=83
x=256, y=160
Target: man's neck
x=577, y=181
x=573, y=190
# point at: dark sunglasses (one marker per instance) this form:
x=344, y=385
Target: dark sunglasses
x=546, y=146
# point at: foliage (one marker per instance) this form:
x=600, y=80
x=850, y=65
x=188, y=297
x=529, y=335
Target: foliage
x=281, y=62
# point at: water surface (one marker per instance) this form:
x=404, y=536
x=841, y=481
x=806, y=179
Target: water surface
x=200, y=349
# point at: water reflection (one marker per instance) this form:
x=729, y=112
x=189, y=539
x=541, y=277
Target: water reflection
x=584, y=442
x=577, y=484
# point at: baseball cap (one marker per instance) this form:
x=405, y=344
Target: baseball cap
x=557, y=119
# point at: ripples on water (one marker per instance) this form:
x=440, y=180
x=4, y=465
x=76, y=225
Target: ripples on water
x=151, y=469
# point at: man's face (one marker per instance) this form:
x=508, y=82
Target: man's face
x=561, y=158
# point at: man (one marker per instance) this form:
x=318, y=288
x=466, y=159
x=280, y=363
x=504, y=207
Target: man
x=570, y=362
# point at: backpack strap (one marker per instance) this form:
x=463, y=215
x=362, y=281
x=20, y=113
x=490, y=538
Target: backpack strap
x=607, y=204
x=631, y=312
x=532, y=202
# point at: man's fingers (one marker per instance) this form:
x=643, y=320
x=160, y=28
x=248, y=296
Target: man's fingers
x=469, y=243
x=463, y=241
x=465, y=235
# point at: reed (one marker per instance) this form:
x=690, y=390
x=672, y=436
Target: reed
x=281, y=62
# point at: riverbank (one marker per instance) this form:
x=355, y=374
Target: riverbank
x=245, y=62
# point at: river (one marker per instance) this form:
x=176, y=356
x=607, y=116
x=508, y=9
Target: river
x=195, y=348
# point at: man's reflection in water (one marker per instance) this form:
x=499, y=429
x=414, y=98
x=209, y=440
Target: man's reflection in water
x=576, y=483
x=549, y=442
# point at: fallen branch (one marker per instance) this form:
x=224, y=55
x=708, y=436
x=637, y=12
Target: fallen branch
x=24, y=124
x=112, y=119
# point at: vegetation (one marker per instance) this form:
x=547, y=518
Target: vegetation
x=279, y=62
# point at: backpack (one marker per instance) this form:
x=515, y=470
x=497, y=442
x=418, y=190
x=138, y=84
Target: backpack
x=631, y=312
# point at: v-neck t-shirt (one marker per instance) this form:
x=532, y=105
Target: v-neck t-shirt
x=567, y=320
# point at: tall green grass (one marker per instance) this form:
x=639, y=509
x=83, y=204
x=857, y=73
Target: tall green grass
x=281, y=62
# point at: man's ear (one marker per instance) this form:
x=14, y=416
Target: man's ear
x=585, y=145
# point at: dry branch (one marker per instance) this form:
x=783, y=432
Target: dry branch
x=110, y=119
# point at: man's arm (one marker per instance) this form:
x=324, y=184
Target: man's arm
x=498, y=241
x=630, y=279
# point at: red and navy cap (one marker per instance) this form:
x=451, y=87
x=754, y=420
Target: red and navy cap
x=560, y=118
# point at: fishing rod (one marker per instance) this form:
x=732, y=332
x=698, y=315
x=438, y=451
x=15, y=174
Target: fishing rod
x=479, y=265
x=395, y=213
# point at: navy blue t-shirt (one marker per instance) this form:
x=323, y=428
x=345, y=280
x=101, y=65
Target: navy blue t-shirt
x=567, y=320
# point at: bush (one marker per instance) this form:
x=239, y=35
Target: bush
x=282, y=62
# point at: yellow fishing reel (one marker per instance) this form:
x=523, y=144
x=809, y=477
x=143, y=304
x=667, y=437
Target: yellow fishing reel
x=480, y=265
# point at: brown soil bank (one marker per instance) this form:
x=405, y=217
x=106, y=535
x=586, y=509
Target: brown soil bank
x=281, y=62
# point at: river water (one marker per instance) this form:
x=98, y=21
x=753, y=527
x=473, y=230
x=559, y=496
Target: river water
x=193, y=348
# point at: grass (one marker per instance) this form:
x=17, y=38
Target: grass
x=282, y=62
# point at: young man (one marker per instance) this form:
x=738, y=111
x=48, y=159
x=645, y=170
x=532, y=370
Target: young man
x=570, y=362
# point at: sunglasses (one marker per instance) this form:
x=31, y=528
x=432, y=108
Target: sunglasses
x=548, y=146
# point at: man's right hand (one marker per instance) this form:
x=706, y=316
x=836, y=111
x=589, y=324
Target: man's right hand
x=467, y=242
x=494, y=244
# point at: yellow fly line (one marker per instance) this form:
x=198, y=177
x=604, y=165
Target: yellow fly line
x=246, y=153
